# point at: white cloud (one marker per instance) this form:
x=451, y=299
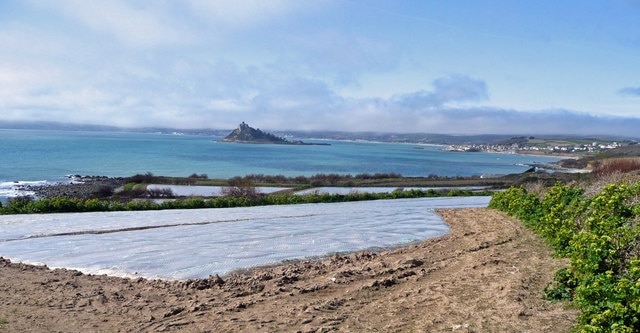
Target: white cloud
x=282, y=64
x=451, y=89
x=131, y=22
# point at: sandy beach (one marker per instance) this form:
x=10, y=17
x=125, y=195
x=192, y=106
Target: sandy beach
x=487, y=275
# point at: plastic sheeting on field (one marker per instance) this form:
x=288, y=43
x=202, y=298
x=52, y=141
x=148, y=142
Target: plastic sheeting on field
x=348, y=190
x=206, y=191
x=215, y=191
x=183, y=244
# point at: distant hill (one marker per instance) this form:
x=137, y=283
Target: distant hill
x=425, y=138
x=247, y=134
x=626, y=151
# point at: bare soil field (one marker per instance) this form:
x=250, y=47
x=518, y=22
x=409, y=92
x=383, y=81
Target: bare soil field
x=487, y=275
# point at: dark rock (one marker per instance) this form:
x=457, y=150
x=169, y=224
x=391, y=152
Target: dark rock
x=81, y=187
x=247, y=134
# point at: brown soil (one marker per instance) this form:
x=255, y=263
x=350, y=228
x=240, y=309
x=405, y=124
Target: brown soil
x=487, y=275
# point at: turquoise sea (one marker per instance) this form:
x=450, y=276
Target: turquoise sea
x=29, y=156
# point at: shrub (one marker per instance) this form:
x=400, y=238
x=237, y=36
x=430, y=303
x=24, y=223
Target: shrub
x=517, y=202
x=537, y=188
x=244, y=198
x=18, y=205
x=21, y=201
x=240, y=188
x=94, y=205
x=378, y=176
x=143, y=178
x=601, y=236
x=192, y=203
x=164, y=192
x=129, y=186
x=327, y=179
x=607, y=167
x=558, y=209
x=197, y=176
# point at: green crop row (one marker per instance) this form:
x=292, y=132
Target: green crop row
x=65, y=205
x=601, y=237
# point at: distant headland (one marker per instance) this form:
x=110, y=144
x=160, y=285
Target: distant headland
x=247, y=134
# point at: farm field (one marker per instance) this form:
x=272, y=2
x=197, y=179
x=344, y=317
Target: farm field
x=487, y=274
x=197, y=243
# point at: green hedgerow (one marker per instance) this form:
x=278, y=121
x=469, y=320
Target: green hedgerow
x=601, y=236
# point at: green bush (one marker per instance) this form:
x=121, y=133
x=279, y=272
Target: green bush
x=517, y=202
x=601, y=236
x=557, y=212
x=59, y=205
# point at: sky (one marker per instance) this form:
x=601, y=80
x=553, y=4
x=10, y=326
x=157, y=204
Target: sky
x=456, y=67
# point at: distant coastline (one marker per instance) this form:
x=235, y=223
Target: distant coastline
x=290, y=143
x=385, y=137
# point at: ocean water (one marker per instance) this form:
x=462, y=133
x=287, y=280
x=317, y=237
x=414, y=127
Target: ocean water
x=41, y=156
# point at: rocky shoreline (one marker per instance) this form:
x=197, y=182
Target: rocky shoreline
x=79, y=187
x=85, y=187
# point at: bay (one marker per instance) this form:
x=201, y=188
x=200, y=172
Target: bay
x=49, y=156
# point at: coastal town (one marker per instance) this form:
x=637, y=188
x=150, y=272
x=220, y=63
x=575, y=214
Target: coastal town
x=548, y=148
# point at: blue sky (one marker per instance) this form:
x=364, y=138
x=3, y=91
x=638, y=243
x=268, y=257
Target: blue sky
x=461, y=67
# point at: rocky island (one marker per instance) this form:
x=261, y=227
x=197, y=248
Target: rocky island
x=247, y=134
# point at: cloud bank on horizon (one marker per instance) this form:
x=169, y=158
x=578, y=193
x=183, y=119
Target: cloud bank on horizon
x=569, y=67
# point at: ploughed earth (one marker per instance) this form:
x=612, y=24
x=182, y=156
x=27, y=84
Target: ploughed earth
x=487, y=275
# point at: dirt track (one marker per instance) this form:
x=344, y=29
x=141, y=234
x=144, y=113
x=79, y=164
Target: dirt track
x=487, y=275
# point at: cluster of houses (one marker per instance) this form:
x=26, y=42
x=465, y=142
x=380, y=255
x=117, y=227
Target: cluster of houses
x=519, y=148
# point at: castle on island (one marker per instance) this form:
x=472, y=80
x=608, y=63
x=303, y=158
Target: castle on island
x=247, y=134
